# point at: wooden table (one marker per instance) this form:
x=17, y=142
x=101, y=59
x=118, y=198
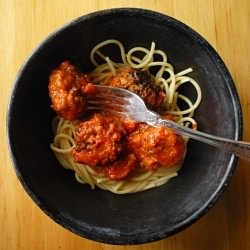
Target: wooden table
x=224, y=23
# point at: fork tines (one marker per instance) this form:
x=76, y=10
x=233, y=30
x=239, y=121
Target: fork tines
x=108, y=99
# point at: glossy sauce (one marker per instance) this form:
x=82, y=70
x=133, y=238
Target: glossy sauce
x=116, y=146
x=68, y=90
x=100, y=140
x=112, y=145
x=156, y=147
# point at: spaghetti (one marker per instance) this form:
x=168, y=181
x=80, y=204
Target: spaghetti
x=154, y=62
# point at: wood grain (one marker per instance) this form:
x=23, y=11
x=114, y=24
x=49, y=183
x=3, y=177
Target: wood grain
x=224, y=23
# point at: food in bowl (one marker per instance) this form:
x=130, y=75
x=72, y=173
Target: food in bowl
x=118, y=154
x=97, y=214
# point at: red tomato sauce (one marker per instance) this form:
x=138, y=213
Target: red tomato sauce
x=68, y=90
x=112, y=145
x=100, y=140
x=116, y=147
x=156, y=147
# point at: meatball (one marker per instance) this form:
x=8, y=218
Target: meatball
x=120, y=169
x=68, y=90
x=139, y=82
x=99, y=140
x=157, y=147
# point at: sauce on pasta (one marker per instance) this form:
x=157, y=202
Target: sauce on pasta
x=117, y=154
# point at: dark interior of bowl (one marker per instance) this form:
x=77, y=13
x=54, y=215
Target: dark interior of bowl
x=100, y=215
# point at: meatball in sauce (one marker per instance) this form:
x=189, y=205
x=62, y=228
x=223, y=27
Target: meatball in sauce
x=102, y=141
x=68, y=90
x=157, y=147
x=99, y=140
x=139, y=82
x=112, y=145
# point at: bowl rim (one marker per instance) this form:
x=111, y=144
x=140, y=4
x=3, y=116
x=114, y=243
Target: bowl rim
x=238, y=133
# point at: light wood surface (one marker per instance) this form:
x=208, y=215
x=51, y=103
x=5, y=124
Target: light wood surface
x=224, y=23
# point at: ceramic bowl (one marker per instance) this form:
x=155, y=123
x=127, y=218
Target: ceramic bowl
x=101, y=215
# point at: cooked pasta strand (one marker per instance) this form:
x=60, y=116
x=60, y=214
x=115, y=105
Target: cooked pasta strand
x=141, y=179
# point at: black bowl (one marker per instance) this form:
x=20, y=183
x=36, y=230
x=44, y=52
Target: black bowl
x=100, y=215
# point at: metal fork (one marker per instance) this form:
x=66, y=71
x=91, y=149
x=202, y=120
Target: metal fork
x=124, y=103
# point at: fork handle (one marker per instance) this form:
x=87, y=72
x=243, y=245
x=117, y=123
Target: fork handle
x=238, y=148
